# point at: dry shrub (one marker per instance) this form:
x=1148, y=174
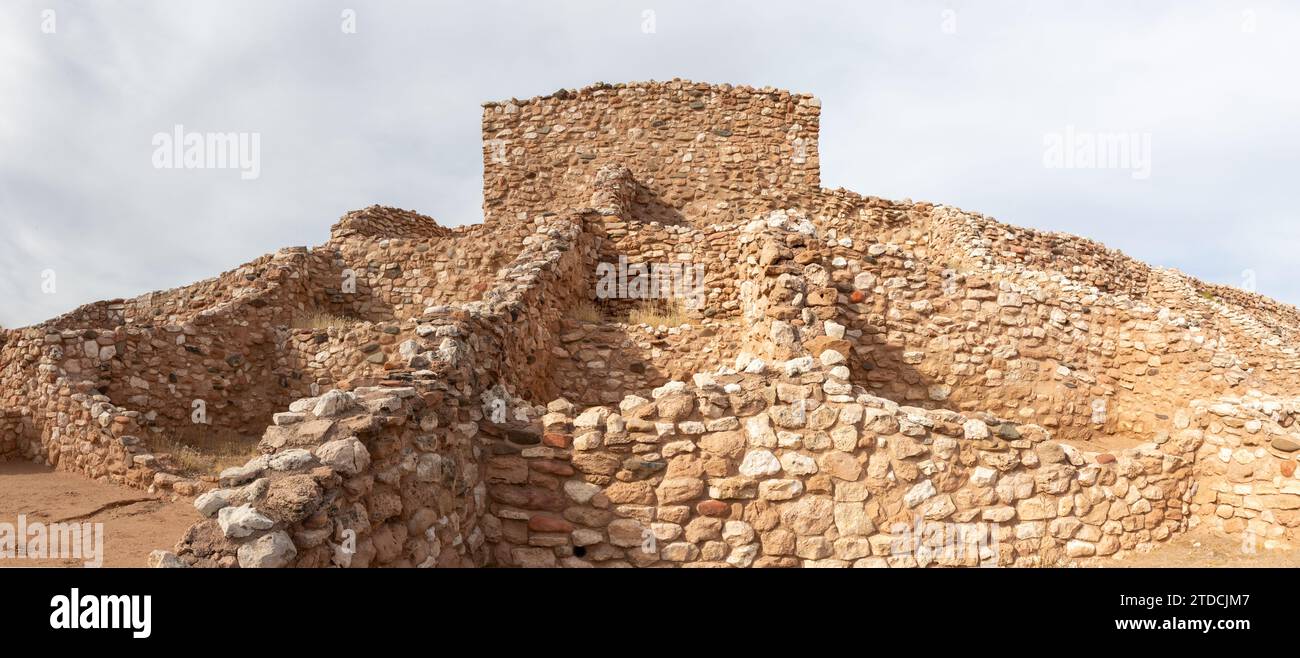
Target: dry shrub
x=659, y=313
x=203, y=450
x=322, y=320
x=588, y=311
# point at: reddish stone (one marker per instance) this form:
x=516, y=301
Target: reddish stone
x=822, y=343
x=1288, y=468
x=857, y=296
x=543, y=523
x=555, y=440
x=527, y=497
x=551, y=467
x=713, y=508
x=1105, y=458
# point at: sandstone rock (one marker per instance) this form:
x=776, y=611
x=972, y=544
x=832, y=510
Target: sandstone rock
x=809, y=515
x=626, y=533
x=841, y=465
x=677, y=490
x=780, y=489
x=580, y=492
x=292, y=499
x=1286, y=444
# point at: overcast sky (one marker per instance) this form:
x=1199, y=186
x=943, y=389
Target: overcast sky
x=952, y=102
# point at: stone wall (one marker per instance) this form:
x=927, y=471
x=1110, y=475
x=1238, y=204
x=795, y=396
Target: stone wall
x=854, y=363
x=697, y=149
x=371, y=478
x=751, y=470
x=51, y=418
x=1246, y=468
x=390, y=475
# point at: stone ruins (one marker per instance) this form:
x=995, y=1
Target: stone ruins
x=863, y=382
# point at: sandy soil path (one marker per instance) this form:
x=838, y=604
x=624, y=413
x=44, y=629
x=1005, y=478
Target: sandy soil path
x=135, y=522
x=1203, y=548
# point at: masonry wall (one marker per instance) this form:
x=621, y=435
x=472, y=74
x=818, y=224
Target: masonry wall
x=382, y=476
x=392, y=472
x=231, y=342
x=52, y=418
x=690, y=146
x=414, y=426
x=1246, y=484
x=735, y=471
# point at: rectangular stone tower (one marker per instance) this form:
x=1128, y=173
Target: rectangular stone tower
x=691, y=145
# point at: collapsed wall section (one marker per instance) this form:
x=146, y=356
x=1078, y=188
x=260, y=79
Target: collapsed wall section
x=377, y=477
x=390, y=475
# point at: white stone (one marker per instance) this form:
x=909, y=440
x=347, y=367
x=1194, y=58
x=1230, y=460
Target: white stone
x=593, y=417
x=743, y=556
x=236, y=475
x=919, y=493
x=334, y=403
x=779, y=489
x=832, y=358
x=289, y=460
x=631, y=403
x=165, y=560
x=737, y=532
x=211, y=502
x=760, y=463
x=798, y=366
x=975, y=429
x=242, y=521
x=983, y=477
x=670, y=387
x=409, y=349
x=798, y=464
x=287, y=418
x=347, y=456
x=270, y=551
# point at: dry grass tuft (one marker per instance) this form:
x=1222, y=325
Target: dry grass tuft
x=322, y=320
x=588, y=311
x=202, y=450
x=659, y=313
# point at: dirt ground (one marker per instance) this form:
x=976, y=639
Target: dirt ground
x=135, y=522
x=1200, y=547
